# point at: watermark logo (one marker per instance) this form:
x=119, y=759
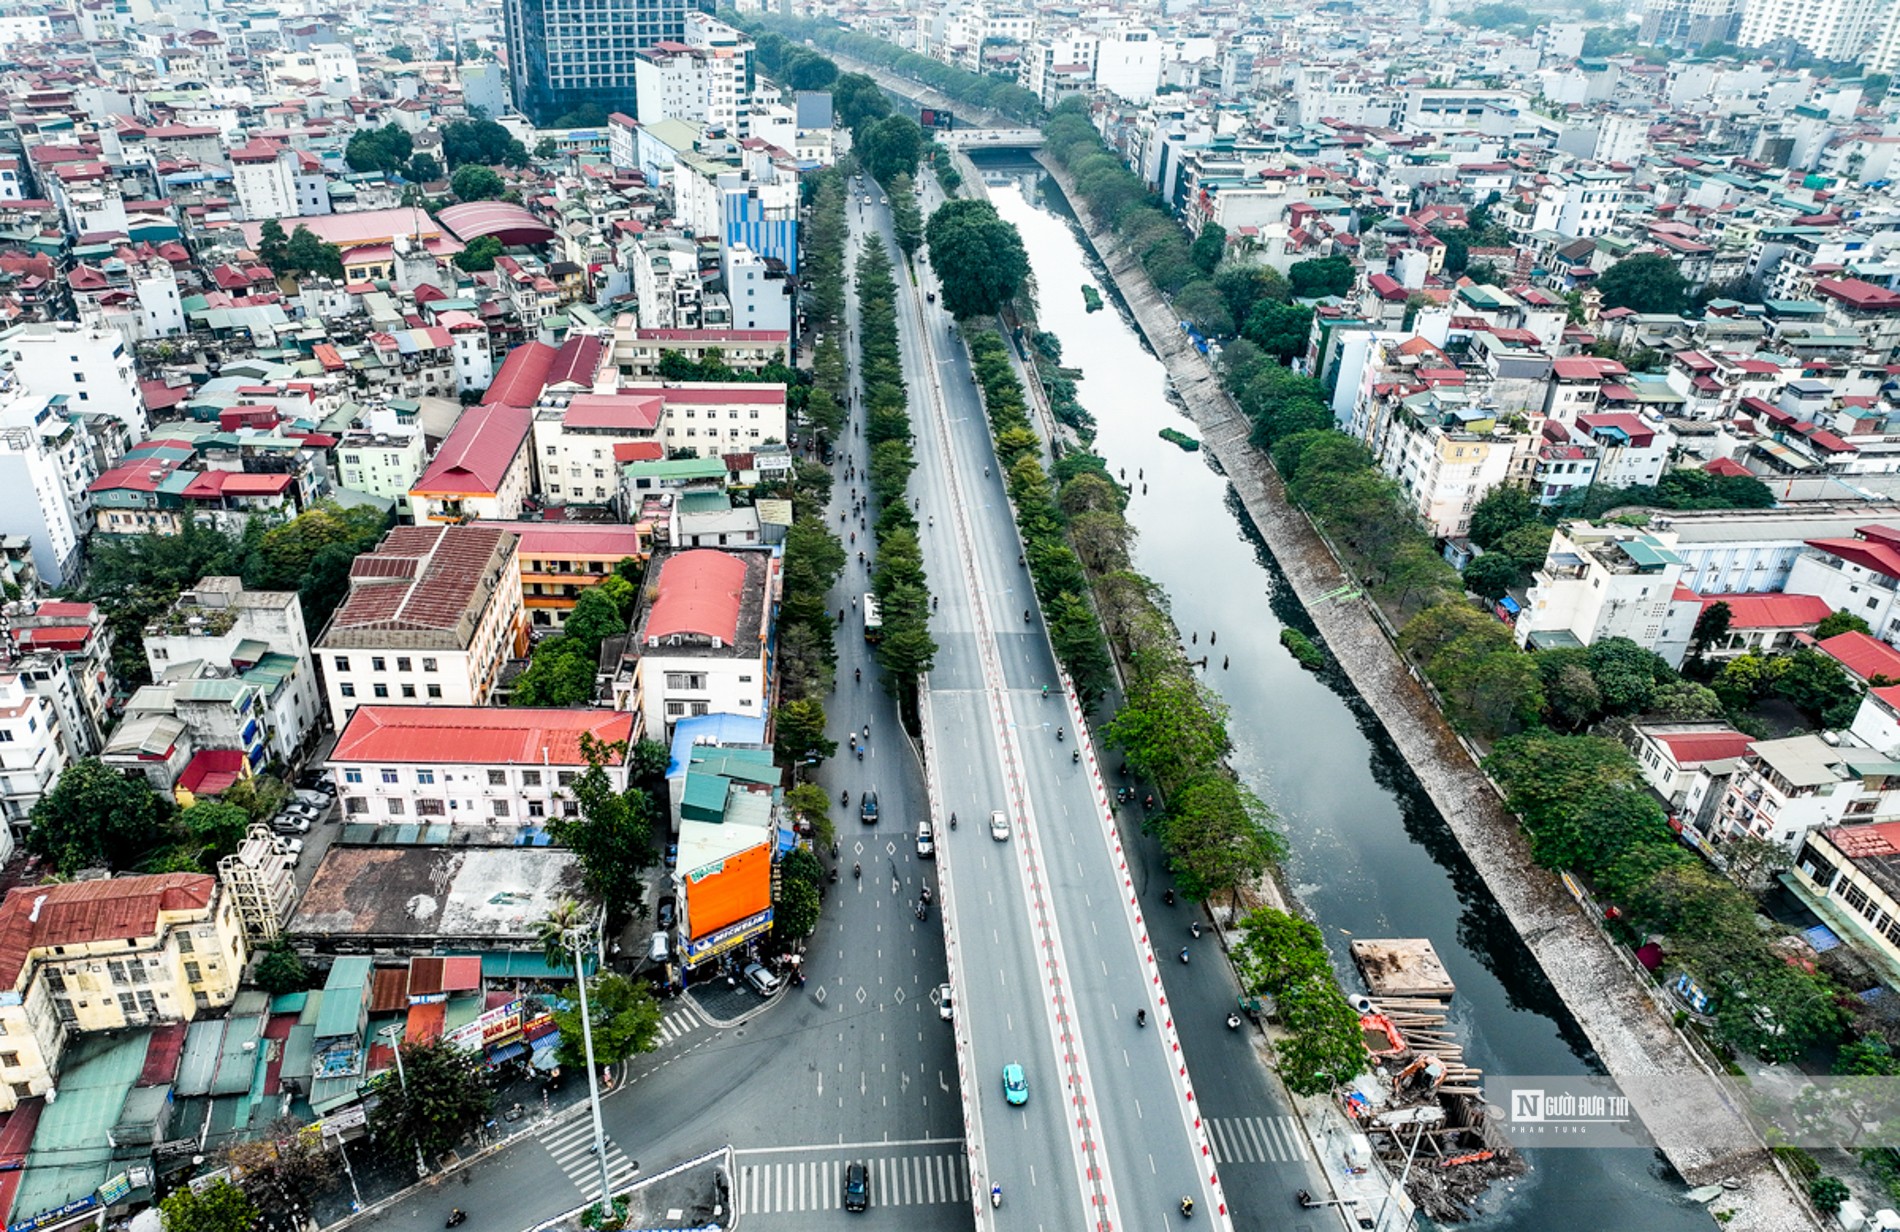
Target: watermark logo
x=1582, y=1111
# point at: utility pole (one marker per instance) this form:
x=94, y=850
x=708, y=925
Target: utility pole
x=395, y=1043
x=574, y=937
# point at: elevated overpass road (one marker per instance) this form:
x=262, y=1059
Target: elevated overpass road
x=1133, y=1132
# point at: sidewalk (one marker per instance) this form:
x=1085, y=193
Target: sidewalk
x=381, y=1179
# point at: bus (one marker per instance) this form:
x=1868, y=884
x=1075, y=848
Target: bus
x=873, y=621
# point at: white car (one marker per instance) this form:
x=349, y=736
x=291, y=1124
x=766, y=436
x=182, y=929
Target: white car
x=999, y=826
x=883, y=200
x=926, y=842
x=945, y=1010
x=294, y=847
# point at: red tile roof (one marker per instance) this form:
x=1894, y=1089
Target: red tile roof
x=628, y=412
x=569, y=539
x=475, y=735
x=1772, y=611
x=420, y=578
x=638, y=451
x=522, y=377
x=480, y=448
x=1694, y=748
x=699, y=592
x=1859, y=294
x=82, y=912
x=576, y=361
x=1727, y=467
x=715, y=393
x=1864, y=656
x=1882, y=558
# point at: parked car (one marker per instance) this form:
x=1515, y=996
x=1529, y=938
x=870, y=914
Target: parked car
x=926, y=842
x=294, y=846
x=763, y=982
x=664, y=915
x=857, y=1187
x=999, y=826
x=867, y=808
x=1015, y=1084
x=672, y=854
x=285, y=823
x=314, y=801
x=657, y=948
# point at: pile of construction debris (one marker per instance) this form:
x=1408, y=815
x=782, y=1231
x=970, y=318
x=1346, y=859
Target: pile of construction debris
x=1424, y=1111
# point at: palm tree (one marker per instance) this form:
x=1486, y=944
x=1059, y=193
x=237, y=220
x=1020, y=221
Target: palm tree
x=552, y=931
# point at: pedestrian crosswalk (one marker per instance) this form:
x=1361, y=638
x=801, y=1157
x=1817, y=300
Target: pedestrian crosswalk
x=571, y=1146
x=818, y=1184
x=675, y=1024
x=1254, y=1140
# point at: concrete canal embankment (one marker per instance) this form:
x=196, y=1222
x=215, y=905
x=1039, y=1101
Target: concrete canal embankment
x=1687, y=1114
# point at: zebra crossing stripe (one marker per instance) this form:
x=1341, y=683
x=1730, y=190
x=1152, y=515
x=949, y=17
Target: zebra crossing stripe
x=1256, y=1140
x=817, y=1185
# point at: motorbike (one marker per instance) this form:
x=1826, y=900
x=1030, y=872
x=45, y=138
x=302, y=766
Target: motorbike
x=857, y=872
x=857, y=674
x=1187, y=1208
x=1167, y=896
x=1141, y=1018
x=844, y=799
x=1195, y=928
x=1233, y=1021
x=1059, y=735
x=834, y=876
x=1184, y=956
x=1075, y=756
x=996, y=1195
x=953, y=821
x=456, y=1218
x=923, y=912
x=926, y=895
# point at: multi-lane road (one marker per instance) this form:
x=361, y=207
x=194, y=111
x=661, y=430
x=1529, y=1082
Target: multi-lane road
x=858, y=1066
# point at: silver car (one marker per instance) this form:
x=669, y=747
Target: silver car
x=999, y=826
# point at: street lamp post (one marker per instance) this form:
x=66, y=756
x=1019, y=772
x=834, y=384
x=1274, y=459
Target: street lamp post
x=394, y=1033
x=574, y=937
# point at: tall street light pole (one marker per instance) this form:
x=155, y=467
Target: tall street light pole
x=395, y=1044
x=574, y=938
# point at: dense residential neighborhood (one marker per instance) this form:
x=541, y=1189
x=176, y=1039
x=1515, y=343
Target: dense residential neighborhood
x=505, y=593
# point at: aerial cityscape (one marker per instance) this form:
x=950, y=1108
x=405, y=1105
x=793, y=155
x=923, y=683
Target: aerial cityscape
x=622, y=615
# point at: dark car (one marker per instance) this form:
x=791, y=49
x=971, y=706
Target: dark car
x=867, y=808
x=857, y=1187
x=664, y=916
x=672, y=854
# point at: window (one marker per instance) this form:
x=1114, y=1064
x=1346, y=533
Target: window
x=402, y=664
x=63, y=1006
x=531, y=778
x=355, y=805
x=353, y=776
x=409, y=691
x=435, y=691
x=428, y=665
x=378, y=664
x=193, y=975
x=564, y=777
x=148, y=1004
x=342, y=663
x=501, y=808
x=380, y=690
x=128, y=1004
x=9, y=1059
x=498, y=778
x=430, y=808
x=536, y=808
x=389, y=776
x=425, y=777
x=394, y=807
x=184, y=943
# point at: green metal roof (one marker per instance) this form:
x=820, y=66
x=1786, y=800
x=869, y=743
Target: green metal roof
x=198, y=1062
x=517, y=966
x=678, y=468
x=70, y=1154
x=703, y=798
x=342, y=1012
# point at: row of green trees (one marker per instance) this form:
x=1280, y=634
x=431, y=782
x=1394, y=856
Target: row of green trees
x=814, y=557
x=135, y=578
x=1220, y=298
x=907, y=648
x=978, y=258
x=784, y=36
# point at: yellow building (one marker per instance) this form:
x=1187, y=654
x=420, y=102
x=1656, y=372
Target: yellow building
x=558, y=560
x=105, y=955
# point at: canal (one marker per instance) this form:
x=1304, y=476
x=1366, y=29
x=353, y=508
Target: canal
x=1370, y=855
